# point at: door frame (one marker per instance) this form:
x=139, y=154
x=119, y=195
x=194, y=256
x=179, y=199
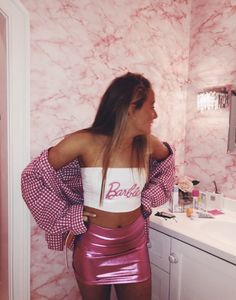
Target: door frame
x=18, y=145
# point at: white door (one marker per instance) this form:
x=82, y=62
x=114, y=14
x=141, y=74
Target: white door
x=3, y=164
x=14, y=151
x=159, y=251
x=196, y=275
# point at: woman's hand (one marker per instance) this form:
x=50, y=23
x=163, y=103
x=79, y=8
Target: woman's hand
x=70, y=236
x=87, y=215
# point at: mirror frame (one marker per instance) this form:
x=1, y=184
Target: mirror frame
x=232, y=124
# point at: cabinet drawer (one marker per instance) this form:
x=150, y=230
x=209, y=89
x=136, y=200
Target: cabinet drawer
x=159, y=250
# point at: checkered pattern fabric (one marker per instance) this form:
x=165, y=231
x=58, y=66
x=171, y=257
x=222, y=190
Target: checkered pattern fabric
x=55, y=198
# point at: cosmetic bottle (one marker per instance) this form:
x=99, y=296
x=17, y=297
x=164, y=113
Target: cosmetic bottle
x=203, y=203
x=174, y=201
x=195, y=195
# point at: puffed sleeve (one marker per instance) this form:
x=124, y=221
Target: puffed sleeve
x=54, y=198
x=158, y=189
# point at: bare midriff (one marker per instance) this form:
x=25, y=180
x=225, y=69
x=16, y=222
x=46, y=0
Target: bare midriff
x=112, y=219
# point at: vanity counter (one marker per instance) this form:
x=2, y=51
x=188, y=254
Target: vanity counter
x=215, y=236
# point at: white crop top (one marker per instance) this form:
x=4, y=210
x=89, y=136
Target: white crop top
x=122, y=190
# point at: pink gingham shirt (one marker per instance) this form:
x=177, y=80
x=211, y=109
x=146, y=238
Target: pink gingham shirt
x=55, y=198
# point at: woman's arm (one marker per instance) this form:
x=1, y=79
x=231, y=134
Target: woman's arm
x=159, y=150
x=159, y=186
x=54, y=198
x=52, y=187
x=70, y=148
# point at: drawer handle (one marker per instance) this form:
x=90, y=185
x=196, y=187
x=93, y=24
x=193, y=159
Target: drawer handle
x=173, y=259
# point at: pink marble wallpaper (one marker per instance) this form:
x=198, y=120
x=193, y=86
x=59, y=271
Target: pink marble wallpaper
x=77, y=48
x=212, y=62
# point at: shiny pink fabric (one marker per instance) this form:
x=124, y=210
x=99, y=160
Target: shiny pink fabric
x=112, y=256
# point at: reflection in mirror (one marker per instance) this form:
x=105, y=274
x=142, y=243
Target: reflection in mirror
x=232, y=125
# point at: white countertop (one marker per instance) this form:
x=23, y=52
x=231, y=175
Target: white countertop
x=194, y=232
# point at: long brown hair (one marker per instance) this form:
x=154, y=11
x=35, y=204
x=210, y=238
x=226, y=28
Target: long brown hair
x=112, y=115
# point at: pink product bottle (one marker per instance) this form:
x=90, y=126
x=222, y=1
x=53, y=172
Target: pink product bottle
x=195, y=195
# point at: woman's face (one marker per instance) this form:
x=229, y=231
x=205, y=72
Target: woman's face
x=143, y=117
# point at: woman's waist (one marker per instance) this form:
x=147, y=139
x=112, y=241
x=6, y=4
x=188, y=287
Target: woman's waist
x=117, y=204
x=112, y=219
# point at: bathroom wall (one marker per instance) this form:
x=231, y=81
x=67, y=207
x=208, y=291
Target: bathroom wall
x=77, y=48
x=212, y=62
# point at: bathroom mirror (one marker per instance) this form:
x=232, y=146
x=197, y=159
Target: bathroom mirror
x=232, y=125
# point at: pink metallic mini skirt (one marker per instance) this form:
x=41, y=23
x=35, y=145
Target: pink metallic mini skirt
x=112, y=256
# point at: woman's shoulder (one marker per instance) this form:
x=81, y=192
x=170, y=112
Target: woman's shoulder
x=154, y=140
x=158, y=149
x=73, y=145
x=85, y=142
x=83, y=137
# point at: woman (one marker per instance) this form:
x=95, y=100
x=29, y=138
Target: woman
x=99, y=184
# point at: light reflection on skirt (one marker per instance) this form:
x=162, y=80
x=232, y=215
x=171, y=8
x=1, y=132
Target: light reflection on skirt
x=112, y=256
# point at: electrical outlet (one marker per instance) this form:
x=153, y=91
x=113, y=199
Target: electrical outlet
x=213, y=197
x=215, y=201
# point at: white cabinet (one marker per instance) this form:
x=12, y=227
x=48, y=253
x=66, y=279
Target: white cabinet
x=200, y=275
x=160, y=284
x=183, y=272
x=159, y=252
x=159, y=249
